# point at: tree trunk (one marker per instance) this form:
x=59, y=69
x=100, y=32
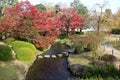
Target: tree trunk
x=80, y=30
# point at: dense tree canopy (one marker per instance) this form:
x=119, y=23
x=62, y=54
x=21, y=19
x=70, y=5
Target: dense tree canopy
x=70, y=20
x=41, y=7
x=6, y=4
x=24, y=21
x=108, y=13
x=80, y=8
x=116, y=20
x=106, y=19
x=27, y=23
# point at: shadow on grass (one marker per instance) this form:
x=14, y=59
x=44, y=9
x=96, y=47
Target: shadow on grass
x=12, y=70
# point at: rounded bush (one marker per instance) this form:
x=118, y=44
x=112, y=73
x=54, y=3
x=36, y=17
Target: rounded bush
x=25, y=54
x=22, y=44
x=9, y=40
x=5, y=53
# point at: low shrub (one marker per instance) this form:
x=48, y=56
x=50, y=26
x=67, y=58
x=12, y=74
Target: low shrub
x=25, y=54
x=66, y=42
x=107, y=71
x=63, y=36
x=79, y=45
x=100, y=78
x=43, y=44
x=86, y=43
x=79, y=49
x=9, y=40
x=21, y=44
x=5, y=53
x=96, y=78
x=91, y=46
x=80, y=33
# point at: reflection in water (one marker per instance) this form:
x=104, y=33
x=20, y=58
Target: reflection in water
x=49, y=69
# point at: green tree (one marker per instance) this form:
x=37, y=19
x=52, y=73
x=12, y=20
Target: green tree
x=6, y=4
x=108, y=13
x=98, y=13
x=116, y=20
x=80, y=8
x=106, y=19
x=41, y=7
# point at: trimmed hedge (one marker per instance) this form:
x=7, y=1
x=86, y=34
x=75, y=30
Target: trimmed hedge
x=22, y=44
x=25, y=54
x=5, y=53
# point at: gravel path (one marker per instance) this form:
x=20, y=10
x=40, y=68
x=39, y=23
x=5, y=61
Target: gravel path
x=111, y=50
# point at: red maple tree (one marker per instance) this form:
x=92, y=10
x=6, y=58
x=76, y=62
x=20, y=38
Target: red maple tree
x=23, y=21
x=70, y=20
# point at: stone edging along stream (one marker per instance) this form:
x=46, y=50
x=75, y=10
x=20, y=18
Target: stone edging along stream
x=60, y=55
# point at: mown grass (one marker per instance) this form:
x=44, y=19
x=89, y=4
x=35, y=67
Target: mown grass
x=86, y=57
x=83, y=58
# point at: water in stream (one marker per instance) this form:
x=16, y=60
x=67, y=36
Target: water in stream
x=49, y=68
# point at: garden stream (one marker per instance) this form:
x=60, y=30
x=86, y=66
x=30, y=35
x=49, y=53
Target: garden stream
x=52, y=68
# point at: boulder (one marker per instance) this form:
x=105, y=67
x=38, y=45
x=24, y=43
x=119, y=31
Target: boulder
x=77, y=69
x=109, y=58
